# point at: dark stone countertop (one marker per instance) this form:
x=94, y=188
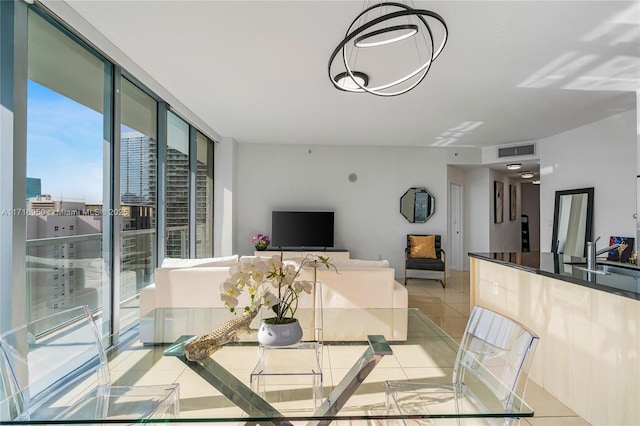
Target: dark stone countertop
x=570, y=269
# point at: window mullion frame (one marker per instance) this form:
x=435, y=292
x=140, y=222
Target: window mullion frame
x=112, y=184
x=193, y=170
x=161, y=197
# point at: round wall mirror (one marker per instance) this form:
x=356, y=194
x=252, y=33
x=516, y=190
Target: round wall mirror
x=417, y=205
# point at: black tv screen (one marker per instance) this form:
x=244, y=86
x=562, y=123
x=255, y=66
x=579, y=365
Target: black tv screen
x=301, y=229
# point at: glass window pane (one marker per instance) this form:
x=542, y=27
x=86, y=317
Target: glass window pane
x=204, y=197
x=66, y=266
x=177, y=187
x=138, y=188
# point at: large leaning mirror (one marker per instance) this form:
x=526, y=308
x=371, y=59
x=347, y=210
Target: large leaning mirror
x=417, y=205
x=572, y=222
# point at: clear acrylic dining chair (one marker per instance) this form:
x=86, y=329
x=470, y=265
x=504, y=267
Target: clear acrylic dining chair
x=490, y=373
x=55, y=368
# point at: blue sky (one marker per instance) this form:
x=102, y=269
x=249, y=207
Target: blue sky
x=64, y=145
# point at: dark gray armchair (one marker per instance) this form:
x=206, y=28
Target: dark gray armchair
x=433, y=259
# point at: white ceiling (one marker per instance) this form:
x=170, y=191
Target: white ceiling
x=512, y=71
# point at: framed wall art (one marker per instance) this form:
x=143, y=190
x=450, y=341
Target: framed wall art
x=622, y=253
x=513, y=205
x=498, y=201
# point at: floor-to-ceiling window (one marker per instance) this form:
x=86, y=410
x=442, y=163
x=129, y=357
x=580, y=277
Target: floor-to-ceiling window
x=177, y=187
x=68, y=104
x=204, y=196
x=95, y=143
x=138, y=196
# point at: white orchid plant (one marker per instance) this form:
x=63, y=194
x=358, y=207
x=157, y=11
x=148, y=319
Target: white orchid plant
x=271, y=283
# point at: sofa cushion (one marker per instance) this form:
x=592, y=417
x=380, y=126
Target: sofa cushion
x=359, y=263
x=423, y=246
x=192, y=287
x=170, y=262
x=267, y=255
x=357, y=287
x=427, y=264
x=147, y=299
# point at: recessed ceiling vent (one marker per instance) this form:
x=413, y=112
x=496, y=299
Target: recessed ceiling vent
x=513, y=151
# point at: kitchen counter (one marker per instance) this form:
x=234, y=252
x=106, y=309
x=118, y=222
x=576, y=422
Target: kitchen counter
x=588, y=353
x=571, y=269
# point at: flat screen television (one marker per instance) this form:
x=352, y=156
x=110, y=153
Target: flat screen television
x=301, y=229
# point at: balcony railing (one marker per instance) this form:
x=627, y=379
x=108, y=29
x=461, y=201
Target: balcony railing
x=63, y=272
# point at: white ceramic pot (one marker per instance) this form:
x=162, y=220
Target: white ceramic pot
x=279, y=334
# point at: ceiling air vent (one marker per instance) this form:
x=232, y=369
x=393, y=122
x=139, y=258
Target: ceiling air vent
x=513, y=151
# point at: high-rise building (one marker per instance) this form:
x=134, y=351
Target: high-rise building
x=137, y=250
x=203, y=188
x=34, y=187
x=137, y=168
x=65, y=272
x=138, y=187
x=177, y=203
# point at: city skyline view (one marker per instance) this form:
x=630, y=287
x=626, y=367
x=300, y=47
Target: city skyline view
x=94, y=232
x=64, y=148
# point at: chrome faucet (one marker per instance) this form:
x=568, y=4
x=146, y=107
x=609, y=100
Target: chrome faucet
x=592, y=253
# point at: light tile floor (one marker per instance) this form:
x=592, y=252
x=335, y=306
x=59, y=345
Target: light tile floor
x=133, y=363
x=450, y=309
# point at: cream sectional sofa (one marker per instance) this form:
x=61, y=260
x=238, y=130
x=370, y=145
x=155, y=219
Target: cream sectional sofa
x=357, y=284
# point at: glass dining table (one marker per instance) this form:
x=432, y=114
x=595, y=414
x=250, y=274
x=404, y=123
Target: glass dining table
x=350, y=375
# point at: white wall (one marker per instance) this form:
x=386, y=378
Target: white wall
x=600, y=155
x=455, y=175
x=368, y=222
x=367, y=218
x=477, y=212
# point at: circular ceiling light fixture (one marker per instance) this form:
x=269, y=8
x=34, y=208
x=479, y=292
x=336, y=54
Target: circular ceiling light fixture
x=514, y=166
x=536, y=181
x=381, y=37
x=527, y=175
x=387, y=33
x=352, y=84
